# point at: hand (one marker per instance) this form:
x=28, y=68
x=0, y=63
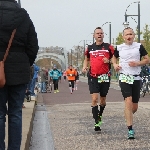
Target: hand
x=133, y=63
x=105, y=60
x=117, y=67
x=84, y=69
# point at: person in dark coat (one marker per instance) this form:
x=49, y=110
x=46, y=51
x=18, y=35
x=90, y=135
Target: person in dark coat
x=21, y=56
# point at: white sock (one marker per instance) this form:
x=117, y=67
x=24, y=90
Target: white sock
x=70, y=89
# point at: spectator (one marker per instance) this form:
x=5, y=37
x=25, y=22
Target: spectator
x=144, y=71
x=43, y=74
x=35, y=78
x=21, y=56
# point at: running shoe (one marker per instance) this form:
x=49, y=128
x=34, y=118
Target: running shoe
x=100, y=120
x=131, y=134
x=97, y=126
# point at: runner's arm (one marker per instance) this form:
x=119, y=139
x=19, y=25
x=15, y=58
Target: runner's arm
x=115, y=56
x=144, y=55
x=85, y=63
x=111, y=48
x=86, y=60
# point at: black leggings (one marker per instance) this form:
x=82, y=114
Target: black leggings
x=55, y=82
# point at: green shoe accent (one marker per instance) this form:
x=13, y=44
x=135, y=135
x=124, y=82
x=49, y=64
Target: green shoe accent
x=131, y=134
x=100, y=120
x=97, y=127
x=97, y=124
x=57, y=90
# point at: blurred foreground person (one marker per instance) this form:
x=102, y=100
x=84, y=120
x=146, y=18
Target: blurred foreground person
x=21, y=56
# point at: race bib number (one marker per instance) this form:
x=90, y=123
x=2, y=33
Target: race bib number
x=103, y=78
x=126, y=78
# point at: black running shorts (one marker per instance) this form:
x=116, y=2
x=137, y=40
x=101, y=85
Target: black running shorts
x=96, y=87
x=90, y=87
x=132, y=90
x=71, y=83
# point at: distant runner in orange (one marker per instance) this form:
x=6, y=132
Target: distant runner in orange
x=71, y=74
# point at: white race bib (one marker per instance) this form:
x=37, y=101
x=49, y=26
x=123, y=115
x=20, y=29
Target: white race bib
x=126, y=78
x=103, y=78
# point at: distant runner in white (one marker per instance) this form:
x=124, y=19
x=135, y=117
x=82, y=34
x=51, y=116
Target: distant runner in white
x=130, y=54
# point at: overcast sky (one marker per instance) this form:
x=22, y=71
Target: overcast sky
x=65, y=23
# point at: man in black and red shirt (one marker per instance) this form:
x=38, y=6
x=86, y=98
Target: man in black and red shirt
x=98, y=55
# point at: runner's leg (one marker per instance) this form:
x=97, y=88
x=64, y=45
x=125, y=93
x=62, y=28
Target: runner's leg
x=126, y=90
x=94, y=90
x=70, y=86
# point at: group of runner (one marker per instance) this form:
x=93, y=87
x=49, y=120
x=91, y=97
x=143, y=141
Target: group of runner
x=70, y=74
x=100, y=56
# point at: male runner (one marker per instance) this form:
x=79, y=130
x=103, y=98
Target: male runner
x=99, y=55
x=130, y=54
x=71, y=73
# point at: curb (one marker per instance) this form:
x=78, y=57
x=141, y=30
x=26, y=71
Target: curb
x=27, y=143
x=41, y=136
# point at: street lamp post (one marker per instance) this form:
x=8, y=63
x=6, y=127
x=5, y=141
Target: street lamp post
x=109, y=30
x=126, y=24
x=89, y=42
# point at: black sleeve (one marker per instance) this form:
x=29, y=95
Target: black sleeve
x=116, y=53
x=32, y=42
x=143, y=51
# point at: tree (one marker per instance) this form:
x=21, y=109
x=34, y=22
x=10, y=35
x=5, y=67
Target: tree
x=119, y=39
x=146, y=38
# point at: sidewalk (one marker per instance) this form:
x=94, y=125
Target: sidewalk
x=27, y=115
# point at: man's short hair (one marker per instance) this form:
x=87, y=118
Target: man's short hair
x=98, y=28
x=127, y=28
